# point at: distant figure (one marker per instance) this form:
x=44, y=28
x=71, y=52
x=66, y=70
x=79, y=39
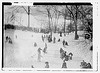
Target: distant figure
x=50, y=38
x=35, y=44
x=39, y=54
x=64, y=34
x=46, y=36
x=66, y=43
x=8, y=39
x=45, y=49
x=58, y=40
x=32, y=66
x=47, y=65
x=64, y=65
x=60, y=34
x=70, y=55
x=42, y=38
x=16, y=36
x=63, y=42
x=54, y=40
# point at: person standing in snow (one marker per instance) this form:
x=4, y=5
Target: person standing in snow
x=35, y=44
x=64, y=65
x=47, y=65
x=61, y=53
x=42, y=38
x=66, y=58
x=60, y=34
x=66, y=43
x=32, y=66
x=63, y=42
x=45, y=49
x=39, y=54
x=54, y=40
x=70, y=55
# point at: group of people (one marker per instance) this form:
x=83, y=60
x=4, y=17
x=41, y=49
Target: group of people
x=48, y=37
x=85, y=65
x=8, y=39
x=65, y=56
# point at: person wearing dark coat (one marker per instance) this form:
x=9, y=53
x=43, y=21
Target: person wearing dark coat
x=64, y=65
x=89, y=65
x=66, y=43
x=70, y=55
x=58, y=40
x=63, y=42
x=47, y=65
x=66, y=58
x=60, y=34
x=54, y=40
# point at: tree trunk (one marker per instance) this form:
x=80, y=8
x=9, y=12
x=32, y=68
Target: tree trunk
x=64, y=24
x=75, y=21
x=76, y=36
x=28, y=16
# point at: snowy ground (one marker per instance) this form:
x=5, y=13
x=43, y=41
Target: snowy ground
x=23, y=54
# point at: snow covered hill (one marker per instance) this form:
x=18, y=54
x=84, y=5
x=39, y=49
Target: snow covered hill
x=23, y=54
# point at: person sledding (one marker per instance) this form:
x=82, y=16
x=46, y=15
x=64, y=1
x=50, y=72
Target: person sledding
x=85, y=65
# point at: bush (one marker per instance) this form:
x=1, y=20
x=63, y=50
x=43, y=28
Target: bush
x=9, y=26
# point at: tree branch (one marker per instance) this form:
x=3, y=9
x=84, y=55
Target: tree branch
x=70, y=11
x=24, y=9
